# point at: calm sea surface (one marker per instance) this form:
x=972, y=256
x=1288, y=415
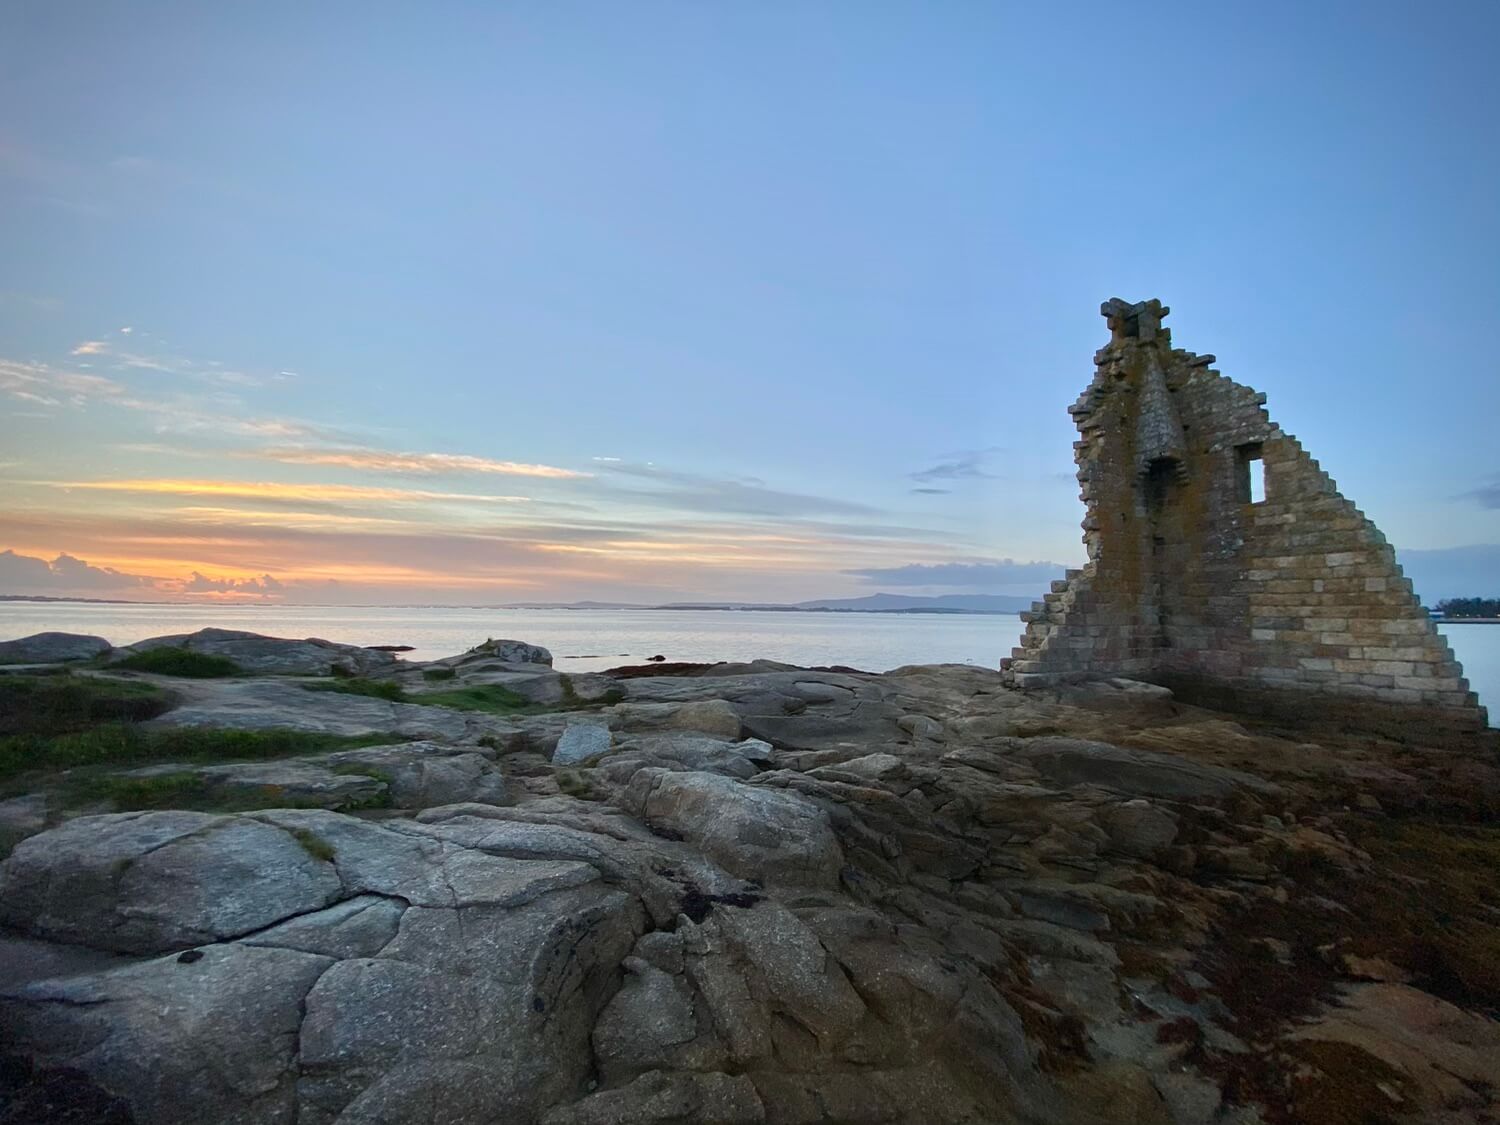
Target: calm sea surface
x=588, y=640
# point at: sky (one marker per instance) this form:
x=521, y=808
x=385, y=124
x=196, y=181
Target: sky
x=485, y=303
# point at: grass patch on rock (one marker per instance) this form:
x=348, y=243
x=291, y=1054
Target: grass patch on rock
x=184, y=790
x=389, y=690
x=168, y=661
x=313, y=844
x=119, y=744
x=91, y=723
x=432, y=675
x=573, y=783
x=493, y=699
x=189, y=789
x=64, y=704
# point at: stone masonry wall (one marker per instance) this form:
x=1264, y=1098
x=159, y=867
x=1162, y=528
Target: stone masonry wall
x=1293, y=605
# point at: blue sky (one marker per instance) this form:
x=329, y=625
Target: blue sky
x=548, y=301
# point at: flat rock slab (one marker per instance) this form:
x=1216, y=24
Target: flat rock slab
x=582, y=742
x=708, y=716
x=411, y=970
x=686, y=751
x=762, y=834
x=272, y=704
x=1072, y=761
x=408, y=775
x=148, y=882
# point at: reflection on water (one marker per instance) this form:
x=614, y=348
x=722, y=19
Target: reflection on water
x=588, y=640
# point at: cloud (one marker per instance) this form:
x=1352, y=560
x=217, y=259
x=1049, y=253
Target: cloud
x=932, y=491
x=275, y=491
x=200, y=584
x=48, y=386
x=91, y=347
x=25, y=574
x=747, y=497
x=381, y=461
x=67, y=576
x=977, y=575
x=963, y=465
x=1486, y=495
x=127, y=330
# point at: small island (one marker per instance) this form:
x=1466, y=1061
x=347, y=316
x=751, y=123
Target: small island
x=1469, y=611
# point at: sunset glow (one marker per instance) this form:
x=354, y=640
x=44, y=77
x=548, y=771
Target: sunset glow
x=288, y=318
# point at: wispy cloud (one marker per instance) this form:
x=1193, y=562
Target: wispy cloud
x=49, y=386
x=271, y=490
x=1486, y=495
x=700, y=493
x=377, y=460
x=966, y=464
x=608, y=526
x=932, y=491
x=206, y=372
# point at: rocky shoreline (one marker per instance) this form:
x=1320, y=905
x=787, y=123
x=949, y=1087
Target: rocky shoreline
x=481, y=890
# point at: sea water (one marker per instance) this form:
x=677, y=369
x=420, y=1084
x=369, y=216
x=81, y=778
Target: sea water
x=586, y=640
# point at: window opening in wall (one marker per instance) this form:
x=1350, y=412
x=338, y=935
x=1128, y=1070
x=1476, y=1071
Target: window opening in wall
x=1161, y=475
x=1252, y=473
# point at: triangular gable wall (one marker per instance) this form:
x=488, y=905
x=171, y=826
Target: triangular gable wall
x=1292, y=605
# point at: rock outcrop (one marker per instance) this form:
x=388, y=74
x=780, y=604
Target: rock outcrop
x=52, y=648
x=261, y=655
x=765, y=894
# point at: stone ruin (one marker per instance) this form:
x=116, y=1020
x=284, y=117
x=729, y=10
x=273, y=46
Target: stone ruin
x=1223, y=562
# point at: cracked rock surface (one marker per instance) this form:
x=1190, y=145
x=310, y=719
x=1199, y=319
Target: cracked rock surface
x=773, y=895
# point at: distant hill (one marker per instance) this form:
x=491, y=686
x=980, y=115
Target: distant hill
x=880, y=603
x=870, y=603
x=570, y=605
x=907, y=603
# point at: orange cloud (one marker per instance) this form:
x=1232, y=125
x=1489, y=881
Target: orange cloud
x=273, y=490
x=382, y=461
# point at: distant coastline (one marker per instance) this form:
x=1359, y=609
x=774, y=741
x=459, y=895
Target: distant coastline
x=909, y=605
x=1009, y=607
x=236, y=606
x=85, y=601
